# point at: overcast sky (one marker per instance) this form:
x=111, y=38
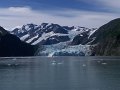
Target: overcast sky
x=88, y=13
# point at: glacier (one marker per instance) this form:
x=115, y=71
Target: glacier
x=62, y=49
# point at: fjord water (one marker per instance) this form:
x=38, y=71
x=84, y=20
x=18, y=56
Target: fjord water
x=60, y=73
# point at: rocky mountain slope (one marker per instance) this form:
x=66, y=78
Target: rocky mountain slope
x=107, y=39
x=11, y=45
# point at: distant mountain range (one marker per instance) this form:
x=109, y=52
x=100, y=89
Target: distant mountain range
x=55, y=40
x=48, y=34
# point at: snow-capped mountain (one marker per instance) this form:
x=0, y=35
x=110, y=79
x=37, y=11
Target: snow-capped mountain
x=56, y=40
x=48, y=34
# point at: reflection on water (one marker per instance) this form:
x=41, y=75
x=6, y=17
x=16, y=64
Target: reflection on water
x=60, y=73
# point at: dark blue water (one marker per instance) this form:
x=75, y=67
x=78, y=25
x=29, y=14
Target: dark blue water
x=60, y=73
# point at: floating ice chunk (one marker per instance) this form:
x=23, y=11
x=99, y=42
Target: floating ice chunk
x=60, y=63
x=104, y=63
x=16, y=64
x=84, y=65
x=53, y=63
x=9, y=64
x=98, y=61
x=14, y=59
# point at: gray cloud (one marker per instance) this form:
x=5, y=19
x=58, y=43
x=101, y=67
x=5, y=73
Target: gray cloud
x=14, y=16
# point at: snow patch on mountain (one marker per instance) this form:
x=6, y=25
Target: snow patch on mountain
x=14, y=28
x=30, y=40
x=92, y=31
x=24, y=37
x=47, y=35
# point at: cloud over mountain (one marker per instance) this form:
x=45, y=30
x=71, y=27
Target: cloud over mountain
x=14, y=16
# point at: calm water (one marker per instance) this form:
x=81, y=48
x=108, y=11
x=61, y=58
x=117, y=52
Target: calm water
x=60, y=73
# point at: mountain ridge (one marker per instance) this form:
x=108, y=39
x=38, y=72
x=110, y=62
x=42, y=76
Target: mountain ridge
x=41, y=34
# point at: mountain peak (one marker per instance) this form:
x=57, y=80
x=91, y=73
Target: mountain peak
x=2, y=31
